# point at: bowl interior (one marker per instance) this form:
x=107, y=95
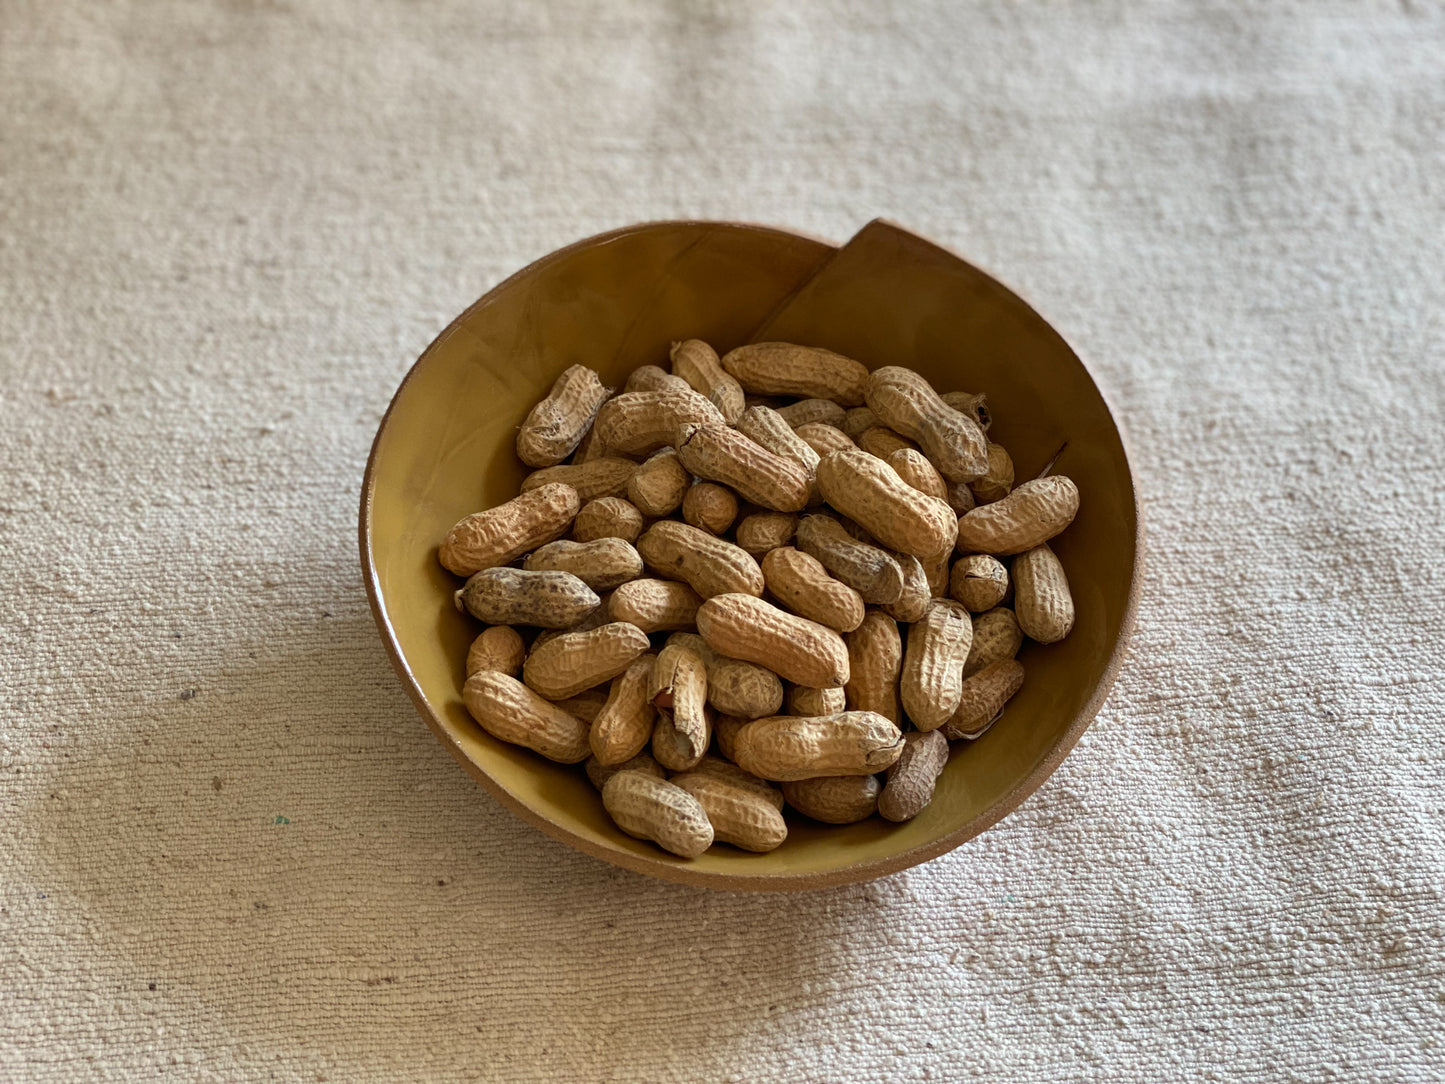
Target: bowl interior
x=445, y=449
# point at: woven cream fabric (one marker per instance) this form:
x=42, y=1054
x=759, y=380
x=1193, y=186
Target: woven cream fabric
x=229, y=850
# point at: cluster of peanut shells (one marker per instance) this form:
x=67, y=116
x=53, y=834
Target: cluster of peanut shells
x=763, y=579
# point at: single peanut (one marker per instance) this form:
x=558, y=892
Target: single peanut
x=556, y=425
x=675, y=751
x=709, y=507
x=805, y=371
x=601, y=564
x=914, y=468
x=768, y=428
x=998, y=480
x=655, y=605
x=802, y=584
x=882, y=442
x=608, y=517
x=735, y=687
x=697, y=363
x=834, y=799
x=1042, y=601
x=910, y=783
x=917, y=593
x=719, y=454
x=738, y=815
x=726, y=769
x=498, y=648
x=511, y=712
x=763, y=531
x=801, y=651
x=654, y=809
x=706, y=563
x=599, y=773
x=996, y=637
x=502, y=534
x=659, y=484
x=961, y=498
x=679, y=689
x=655, y=378
x=812, y=411
x=622, y=729
x=908, y=404
x=984, y=695
x=875, y=657
x=978, y=581
x=825, y=438
x=802, y=700
x=932, y=678
x=870, y=571
x=786, y=747
x=512, y=596
x=605, y=476
x=871, y=492
x=567, y=664
x=1029, y=516
x=975, y=406
x=640, y=422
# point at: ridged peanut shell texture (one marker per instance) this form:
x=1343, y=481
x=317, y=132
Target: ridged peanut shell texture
x=697, y=363
x=905, y=402
x=498, y=535
x=555, y=426
x=507, y=709
x=654, y=809
x=1029, y=516
x=787, y=747
x=801, y=651
x=717, y=453
x=870, y=492
x=1042, y=601
x=805, y=371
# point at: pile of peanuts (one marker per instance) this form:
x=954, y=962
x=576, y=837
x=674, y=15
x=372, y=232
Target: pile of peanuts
x=805, y=617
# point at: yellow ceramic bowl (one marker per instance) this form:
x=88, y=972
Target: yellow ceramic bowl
x=445, y=449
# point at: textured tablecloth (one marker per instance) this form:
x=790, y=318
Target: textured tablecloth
x=230, y=850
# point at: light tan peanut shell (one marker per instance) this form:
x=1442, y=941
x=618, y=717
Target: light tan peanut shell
x=605, y=476
x=835, y=799
x=726, y=769
x=870, y=571
x=658, y=485
x=768, y=428
x=1029, y=516
x=498, y=648
x=706, y=563
x=725, y=730
x=556, y=425
x=763, y=531
x=716, y=453
x=995, y=484
x=599, y=773
x=801, y=651
x=882, y=442
x=824, y=438
x=512, y=596
x=869, y=491
x=875, y=657
x=984, y=695
x=654, y=809
x=622, y=729
x=975, y=406
x=932, y=678
x=908, y=404
x=735, y=687
x=502, y=534
x=567, y=664
x=809, y=372
x=697, y=363
x=655, y=605
x=601, y=564
x=679, y=689
x=917, y=593
x=802, y=584
x=812, y=411
x=786, y=747
x=910, y=783
x=802, y=700
x=511, y=712
x=996, y=636
x=595, y=619
x=961, y=498
x=608, y=517
x=738, y=815
x=655, y=378
x=673, y=750
x=915, y=469
x=858, y=421
x=709, y=507
x=978, y=581
x=640, y=422
x=586, y=705
x=1042, y=601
